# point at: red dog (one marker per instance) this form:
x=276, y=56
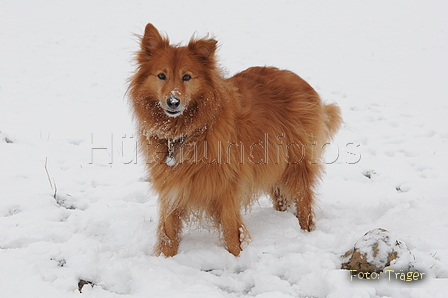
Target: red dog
x=212, y=145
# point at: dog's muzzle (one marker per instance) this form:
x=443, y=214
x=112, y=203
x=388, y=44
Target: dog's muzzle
x=173, y=104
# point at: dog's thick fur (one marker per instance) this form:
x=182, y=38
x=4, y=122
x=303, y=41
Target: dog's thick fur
x=261, y=131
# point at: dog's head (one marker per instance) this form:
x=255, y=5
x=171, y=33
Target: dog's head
x=172, y=78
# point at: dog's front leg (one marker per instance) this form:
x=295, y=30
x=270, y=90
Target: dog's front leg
x=168, y=233
x=232, y=224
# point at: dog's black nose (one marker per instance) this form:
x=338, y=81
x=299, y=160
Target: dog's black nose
x=173, y=102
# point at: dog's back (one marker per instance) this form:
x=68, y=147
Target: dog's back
x=284, y=106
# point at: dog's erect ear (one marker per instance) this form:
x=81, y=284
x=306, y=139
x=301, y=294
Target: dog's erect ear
x=203, y=49
x=152, y=40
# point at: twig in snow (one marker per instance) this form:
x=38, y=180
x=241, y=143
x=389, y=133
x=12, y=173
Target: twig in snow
x=49, y=180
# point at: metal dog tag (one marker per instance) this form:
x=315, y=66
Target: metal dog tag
x=170, y=161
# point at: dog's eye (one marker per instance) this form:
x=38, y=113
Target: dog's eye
x=161, y=76
x=186, y=78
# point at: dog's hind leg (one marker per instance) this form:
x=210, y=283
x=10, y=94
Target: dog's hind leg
x=279, y=201
x=168, y=233
x=305, y=213
x=306, y=181
x=299, y=181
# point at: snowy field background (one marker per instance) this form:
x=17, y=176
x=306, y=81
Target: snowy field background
x=63, y=71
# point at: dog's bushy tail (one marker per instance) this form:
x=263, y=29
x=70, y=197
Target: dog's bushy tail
x=333, y=120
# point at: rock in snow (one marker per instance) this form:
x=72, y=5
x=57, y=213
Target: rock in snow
x=374, y=252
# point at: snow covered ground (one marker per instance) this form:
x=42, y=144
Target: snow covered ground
x=71, y=211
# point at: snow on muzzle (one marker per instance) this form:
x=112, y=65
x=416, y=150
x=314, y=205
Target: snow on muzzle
x=174, y=107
